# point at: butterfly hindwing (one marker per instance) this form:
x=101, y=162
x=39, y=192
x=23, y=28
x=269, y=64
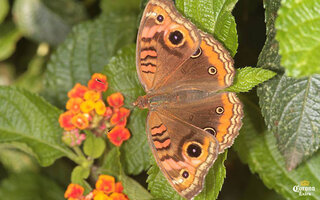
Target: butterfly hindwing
x=219, y=114
x=183, y=152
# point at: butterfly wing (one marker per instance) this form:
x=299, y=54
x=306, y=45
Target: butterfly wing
x=183, y=152
x=219, y=114
x=210, y=68
x=165, y=40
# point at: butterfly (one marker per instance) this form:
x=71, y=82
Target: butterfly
x=191, y=119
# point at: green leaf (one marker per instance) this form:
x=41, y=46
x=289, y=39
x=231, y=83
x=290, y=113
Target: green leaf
x=9, y=36
x=16, y=161
x=134, y=190
x=47, y=21
x=4, y=9
x=111, y=164
x=30, y=186
x=86, y=51
x=247, y=78
x=124, y=6
x=291, y=107
x=257, y=147
x=80, y=173
x=122, y=76
x=93, y=146
x=298, y=35
x=26, y=118
x=215, y=17
x=160, y=187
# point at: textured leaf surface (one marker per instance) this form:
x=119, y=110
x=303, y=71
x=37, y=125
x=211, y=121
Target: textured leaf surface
x=4, y=9
x=47, y=21
x=213, y=16
x=291, y=107
x=258, y=148
x=122, y=76
x=9, y=36
x=160, y=188
x=86, y=51
x=248, y=77
x=93, y=146
x=27, y=118
x=298, y=33
x=30, y=186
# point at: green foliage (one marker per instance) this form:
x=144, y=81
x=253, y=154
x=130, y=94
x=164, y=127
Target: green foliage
x=78, y=176
x=160, y=188
x=86, y=51
x=30, y=186
x=9, y=36
x=257, y=147
x=4, y=9
x=290, y=106
x=93, y=146
x=124, y=6
x=122, y=76
x=298, y=35
x=213, y=16
x=248, y=77
x=20, y=113
x=47, y=21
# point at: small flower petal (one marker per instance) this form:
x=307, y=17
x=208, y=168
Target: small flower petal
x=120, y=117
x=65, y=121
x=77, y=91
x=118, y=134
x=118, y=196
x=106, y=184
x=98, y=82
x=87, y=106
x=119, y=187
x=73, y=104
x=100, y=107
x=74, y=191
x=115, y=100
x=92, y=95
x=100, y=195
x=80, y=121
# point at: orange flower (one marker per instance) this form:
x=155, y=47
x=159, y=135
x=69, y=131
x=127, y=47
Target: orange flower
x=74, y=192
x=115, y=100
x=65, y=121
x=108, y=112
x=118, y=134
x=100, y=195
x=98, y=82
x=80, y=121
x=106, y=184
x=119, y=187
x=92, y=95
x=120, y=117
x=87, y=106
x=73, y=104
x=118, y=196
x=100, y=107
x=77, y=91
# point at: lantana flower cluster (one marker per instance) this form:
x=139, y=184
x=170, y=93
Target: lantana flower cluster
x=106, y=189
x=86, y=110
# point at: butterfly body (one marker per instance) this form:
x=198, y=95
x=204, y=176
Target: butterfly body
x=184, y=71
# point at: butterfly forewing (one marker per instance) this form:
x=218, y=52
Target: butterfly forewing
x=166, y=40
